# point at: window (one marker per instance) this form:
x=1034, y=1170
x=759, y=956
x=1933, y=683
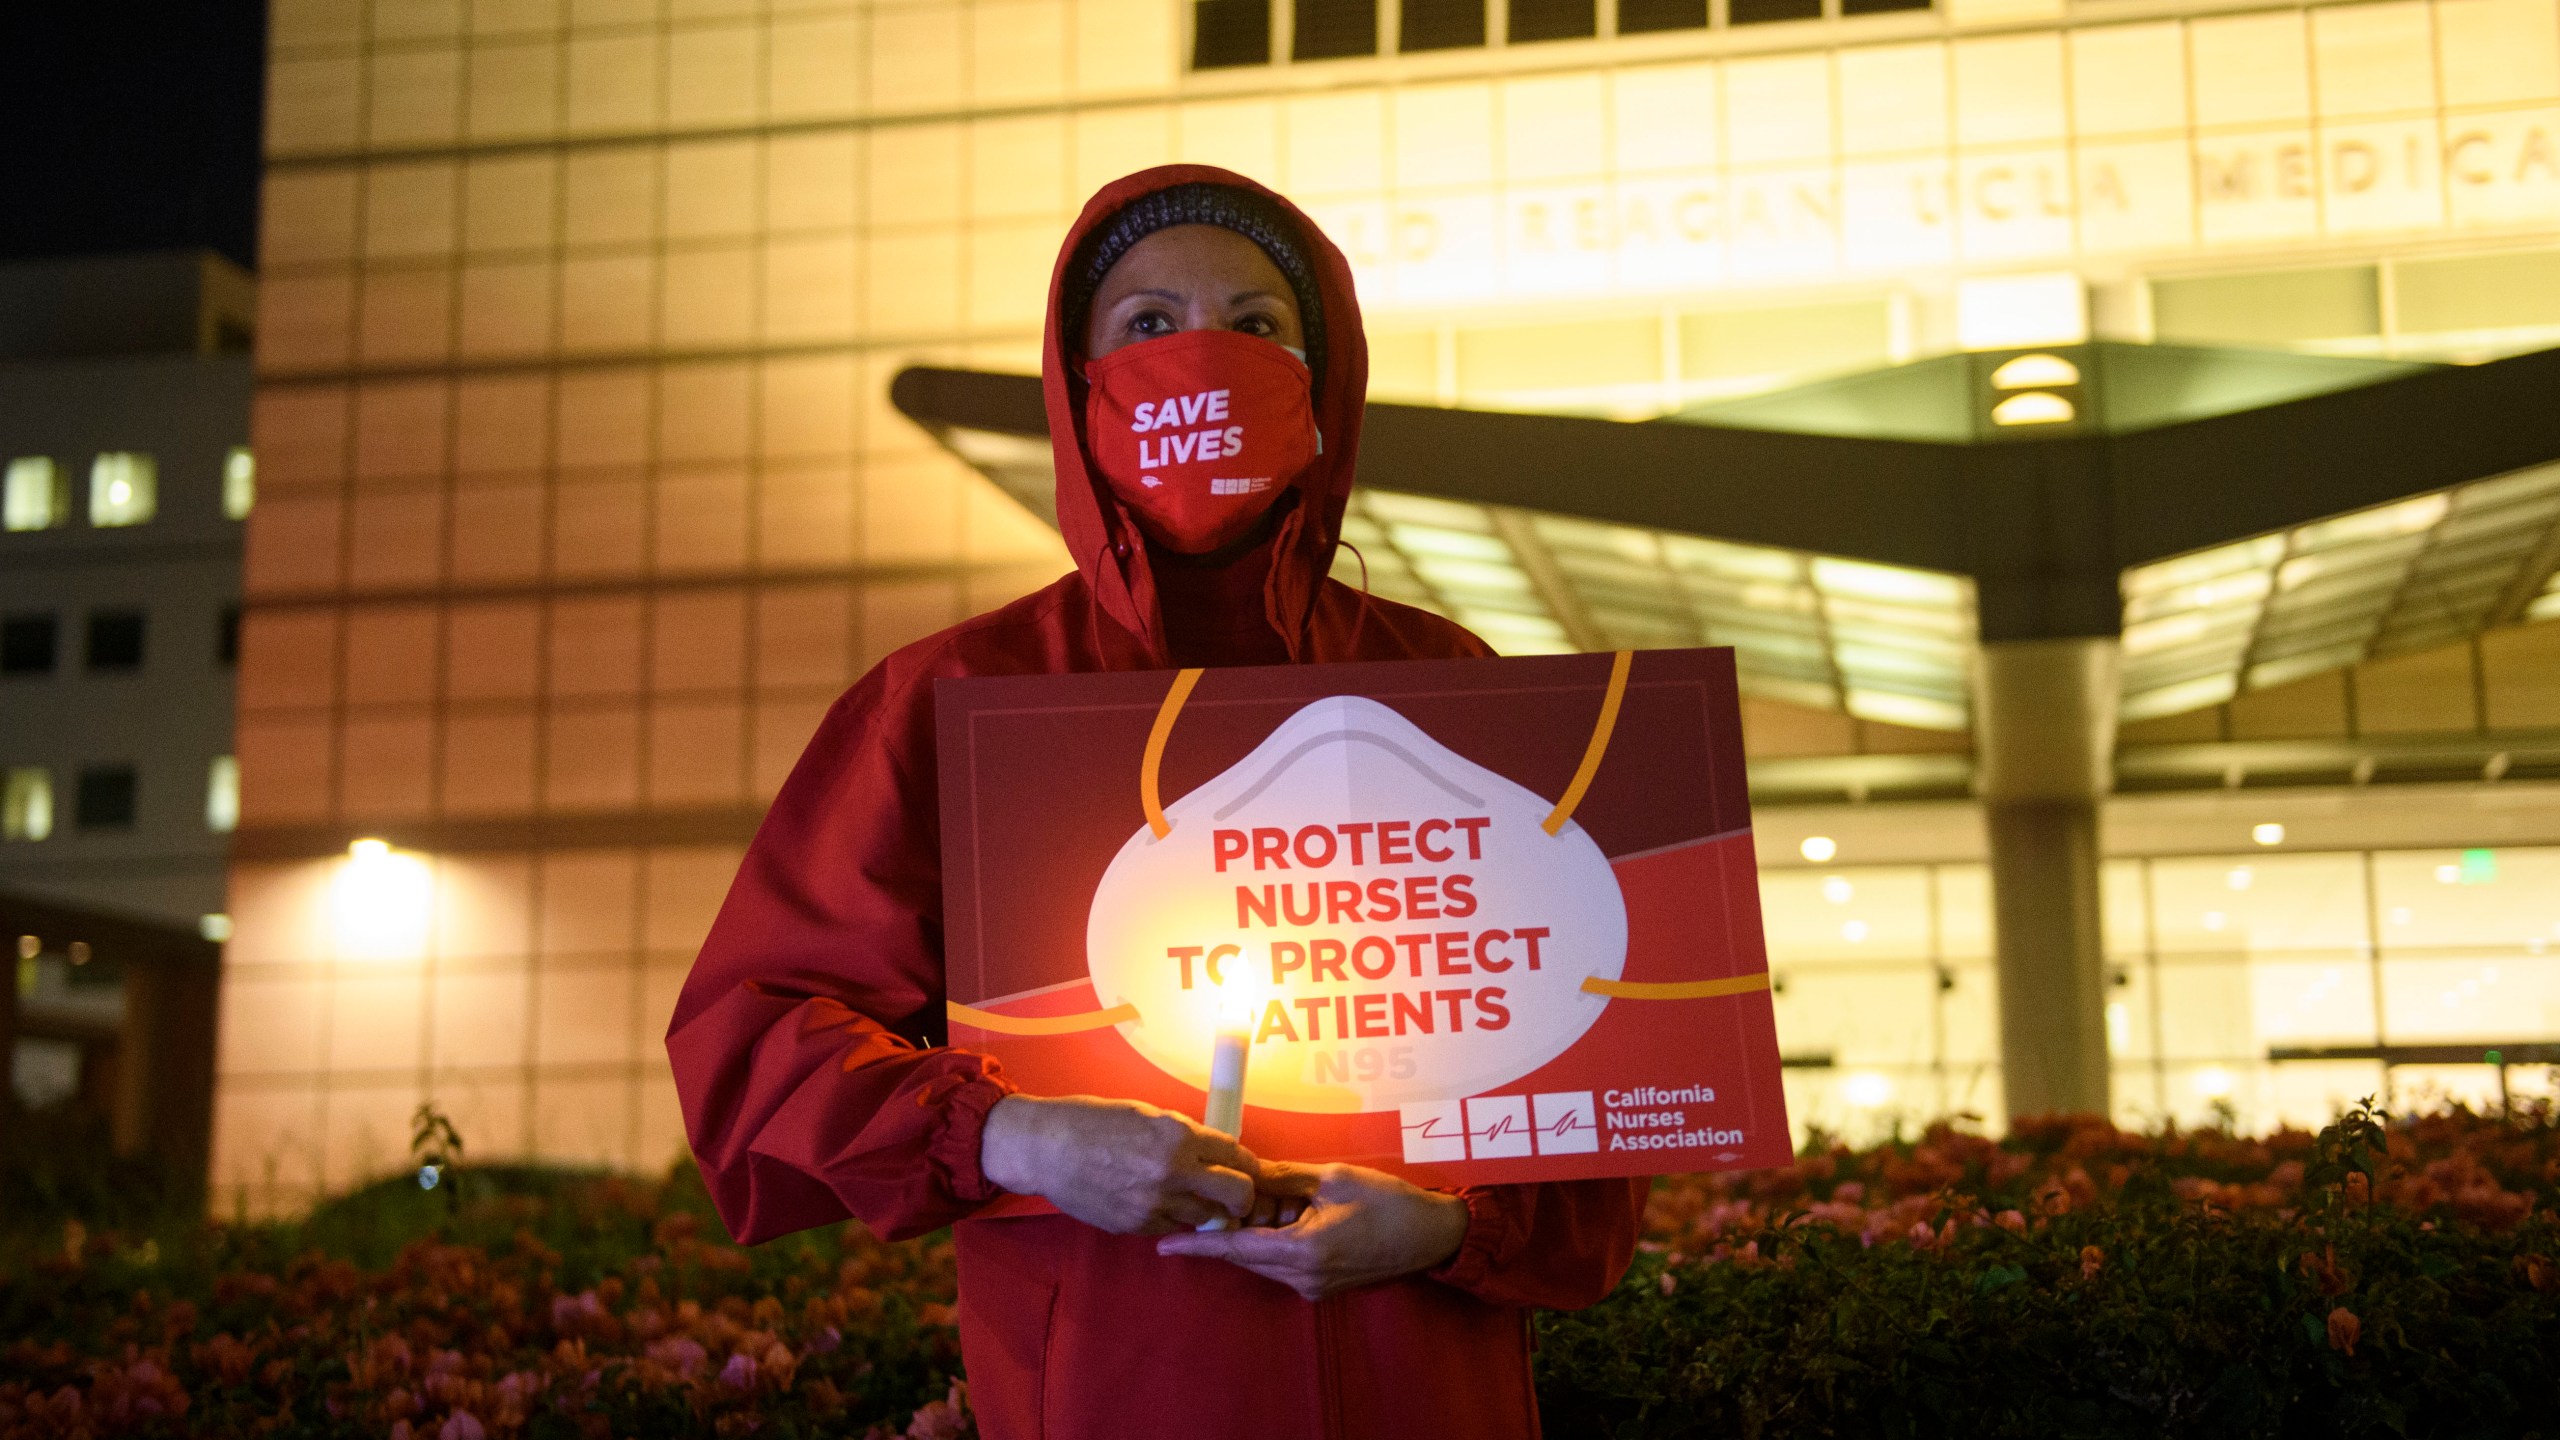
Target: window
x=124, y=489
x=1879, y=7
x=26, y=645
x=105, y=799
x=1332, y=29
x=34, y=496
x=1639, y=17
x=115, y=639
x=1441, y=25
x=2268, y=307
x=222, y=795
x=239, y=483
x=1230, y=32
x=1553, y=20
x=226, y=638
x=26, y=803
x=1762, y=12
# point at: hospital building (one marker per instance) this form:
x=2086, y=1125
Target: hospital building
x=2120, y=440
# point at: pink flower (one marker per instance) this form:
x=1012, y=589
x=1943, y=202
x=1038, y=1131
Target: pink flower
x=740, y=1372
x=945, y=1419
x=679, y=1353
x=1669, y=1282
x=2011, y=1221
x=461, y=1425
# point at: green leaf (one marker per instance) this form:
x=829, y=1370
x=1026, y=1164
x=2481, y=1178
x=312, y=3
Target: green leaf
x=1999, y=1277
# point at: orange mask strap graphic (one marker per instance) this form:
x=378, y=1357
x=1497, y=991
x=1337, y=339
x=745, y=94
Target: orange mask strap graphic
x=996, y=1022
x=1599, y=746
x=1676, y=989
x=1156, y=738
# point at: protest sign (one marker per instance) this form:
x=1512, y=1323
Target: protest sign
x=1469, y=921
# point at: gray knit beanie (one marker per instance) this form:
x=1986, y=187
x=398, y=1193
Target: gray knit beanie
x=1247, y=213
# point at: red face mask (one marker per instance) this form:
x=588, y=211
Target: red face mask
x=1200, y=432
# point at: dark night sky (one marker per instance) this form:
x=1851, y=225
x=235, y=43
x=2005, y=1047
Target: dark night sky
x=128, y=125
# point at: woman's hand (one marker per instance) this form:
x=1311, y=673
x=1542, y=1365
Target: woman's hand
x=1358, y=1227
x=1121, y=1166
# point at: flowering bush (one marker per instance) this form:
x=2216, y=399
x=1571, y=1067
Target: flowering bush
x=545, y=1305
x=2075, y=1279
x=2070, y=1279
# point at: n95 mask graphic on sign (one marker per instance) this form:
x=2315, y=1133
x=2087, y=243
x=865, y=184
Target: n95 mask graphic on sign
x=1387, y=921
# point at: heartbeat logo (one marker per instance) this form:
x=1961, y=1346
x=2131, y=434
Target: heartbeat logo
x=1501, y=1127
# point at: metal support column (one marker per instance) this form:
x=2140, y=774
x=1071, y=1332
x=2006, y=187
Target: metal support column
x=2045, y=737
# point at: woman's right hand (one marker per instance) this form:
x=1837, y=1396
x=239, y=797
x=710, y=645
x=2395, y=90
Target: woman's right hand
x=1118, y=1165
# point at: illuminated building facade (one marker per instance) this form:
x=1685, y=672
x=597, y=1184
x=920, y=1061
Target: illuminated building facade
x=584, y=490
x=124, y=477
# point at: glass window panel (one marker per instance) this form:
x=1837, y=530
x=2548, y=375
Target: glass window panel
x=1230, y=32
x=1331, y=29
x=124, y=489
x=2268, y=307
x=2524, y=484
x=1688, y=552
x=2205, y=1008
x=1862, y=1016
x=2401, y=517
x=2296, y=903
x=1889, y=583
x=1899, y=708
x=2495, y=899
x=239, y=482
x=1426, y=540
x=2309, y=1094
x=1424, y=510
x=2453, y=997
x=1641, y=546
x=36, y=495
x=1586, y=566
x=2205, y=565
x=2239, y=591
x=1911, y=622
x=26, y=803
x=222, y=795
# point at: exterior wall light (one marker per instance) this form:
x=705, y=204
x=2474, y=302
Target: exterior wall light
x=2036, y=371
x=2269, y=833
x=1818, y=848
x=2034, y=407
x=1868, y=1089
x=380, y=900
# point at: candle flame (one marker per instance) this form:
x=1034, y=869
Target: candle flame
x=1240, y=1001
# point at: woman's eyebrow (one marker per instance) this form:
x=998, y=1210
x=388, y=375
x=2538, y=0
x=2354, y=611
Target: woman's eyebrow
x=1242, y=296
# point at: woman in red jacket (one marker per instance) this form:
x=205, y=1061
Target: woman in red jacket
x=809, y=1044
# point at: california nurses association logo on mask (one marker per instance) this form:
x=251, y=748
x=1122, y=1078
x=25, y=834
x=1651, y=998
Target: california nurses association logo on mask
x=1386, y=921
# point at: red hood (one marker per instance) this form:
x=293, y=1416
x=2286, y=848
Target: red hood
x=1098, y=529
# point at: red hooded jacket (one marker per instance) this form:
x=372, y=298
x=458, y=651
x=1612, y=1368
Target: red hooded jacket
x=808, y=1043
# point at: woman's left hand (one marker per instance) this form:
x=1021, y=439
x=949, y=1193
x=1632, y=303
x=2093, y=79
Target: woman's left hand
x=1357, y=1227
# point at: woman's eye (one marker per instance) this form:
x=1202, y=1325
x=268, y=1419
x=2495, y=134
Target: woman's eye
x=1151, y=323
x=1259, y=325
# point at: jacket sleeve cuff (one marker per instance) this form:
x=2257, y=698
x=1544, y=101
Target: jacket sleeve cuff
x=957, y=1133
x=1490, y=1225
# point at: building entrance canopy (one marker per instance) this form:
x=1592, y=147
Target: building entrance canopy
x=2238, y=519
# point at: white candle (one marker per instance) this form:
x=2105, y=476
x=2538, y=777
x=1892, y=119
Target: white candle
x=1233, y=1045
x=1225, y=1110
